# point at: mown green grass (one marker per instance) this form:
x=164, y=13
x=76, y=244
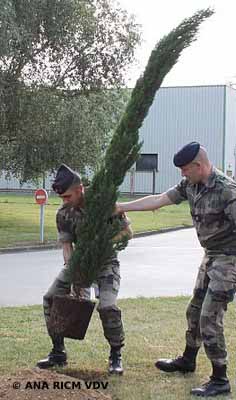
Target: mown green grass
x=19, y=219
x=154, y=328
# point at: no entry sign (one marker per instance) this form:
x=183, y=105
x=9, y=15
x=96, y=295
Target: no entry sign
x=41, y=196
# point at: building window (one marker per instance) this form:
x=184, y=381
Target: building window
x=147, y=162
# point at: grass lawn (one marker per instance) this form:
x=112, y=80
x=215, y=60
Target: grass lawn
x=19, y=219
x=154, y=328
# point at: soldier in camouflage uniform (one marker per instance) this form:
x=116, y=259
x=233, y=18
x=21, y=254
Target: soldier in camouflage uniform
x=69, y=187
x=212, y=199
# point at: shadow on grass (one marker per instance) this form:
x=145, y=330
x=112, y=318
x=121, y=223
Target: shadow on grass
x=85, y=374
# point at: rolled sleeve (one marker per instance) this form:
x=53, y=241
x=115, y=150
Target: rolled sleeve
x=230, y=211
x=63, y=228
x=125, y=221
x=177, y=193
x=64, y=237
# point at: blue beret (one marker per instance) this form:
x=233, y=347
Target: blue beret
x=187, y=154
x=65, y=178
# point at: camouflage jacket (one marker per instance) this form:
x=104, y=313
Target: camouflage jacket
x=68, y=220
x=213, y=210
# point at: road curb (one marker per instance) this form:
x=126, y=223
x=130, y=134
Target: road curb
x=56, y=246
x=53, y=246
x=164, y=230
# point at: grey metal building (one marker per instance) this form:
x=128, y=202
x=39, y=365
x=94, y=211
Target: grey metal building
x=177, y=116
x=180, y=115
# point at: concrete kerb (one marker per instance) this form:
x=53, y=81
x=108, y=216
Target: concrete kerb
x=51, y=246
x=164, y=230
x=56, y=246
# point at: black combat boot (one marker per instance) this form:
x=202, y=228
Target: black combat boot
x=115, y=361
x=218, y=383
x=185, y=363
x=57, y=356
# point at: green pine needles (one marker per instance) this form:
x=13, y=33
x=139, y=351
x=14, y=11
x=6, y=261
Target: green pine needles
x=95, y=245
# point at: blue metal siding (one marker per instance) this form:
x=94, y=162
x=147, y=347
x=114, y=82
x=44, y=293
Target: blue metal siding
x=177, y=116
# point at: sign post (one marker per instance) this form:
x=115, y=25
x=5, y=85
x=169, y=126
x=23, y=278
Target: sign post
x=132, y=181
x=41, y=198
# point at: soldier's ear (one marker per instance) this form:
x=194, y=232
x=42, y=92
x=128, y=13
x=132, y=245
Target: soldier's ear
x=81, y=188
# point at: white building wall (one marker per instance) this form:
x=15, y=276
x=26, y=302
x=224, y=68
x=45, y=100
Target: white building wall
x=177, y=116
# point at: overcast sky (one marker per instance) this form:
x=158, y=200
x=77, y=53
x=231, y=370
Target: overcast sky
x=210, y=60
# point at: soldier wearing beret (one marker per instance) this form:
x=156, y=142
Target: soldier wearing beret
x=68, y=186
x=212, y=199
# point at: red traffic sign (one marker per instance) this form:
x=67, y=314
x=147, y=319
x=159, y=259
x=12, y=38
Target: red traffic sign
x=41, y=196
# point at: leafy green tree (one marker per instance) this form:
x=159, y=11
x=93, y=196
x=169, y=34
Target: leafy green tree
x=55, y=129
x=53, y=56
x=80, y=44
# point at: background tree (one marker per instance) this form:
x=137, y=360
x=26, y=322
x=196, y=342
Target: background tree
x=84, y=44
x=54, y=129
x=53, y=55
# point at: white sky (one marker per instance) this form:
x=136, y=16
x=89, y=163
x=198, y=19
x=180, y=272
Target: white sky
x=209, y=60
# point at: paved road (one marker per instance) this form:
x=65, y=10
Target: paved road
x=158, y=265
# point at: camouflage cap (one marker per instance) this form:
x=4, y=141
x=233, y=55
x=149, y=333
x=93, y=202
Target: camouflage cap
x=187, y=154
x=64, y=179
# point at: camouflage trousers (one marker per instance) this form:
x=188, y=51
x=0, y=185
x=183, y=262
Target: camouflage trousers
x=215, y=288
x=108, y=283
